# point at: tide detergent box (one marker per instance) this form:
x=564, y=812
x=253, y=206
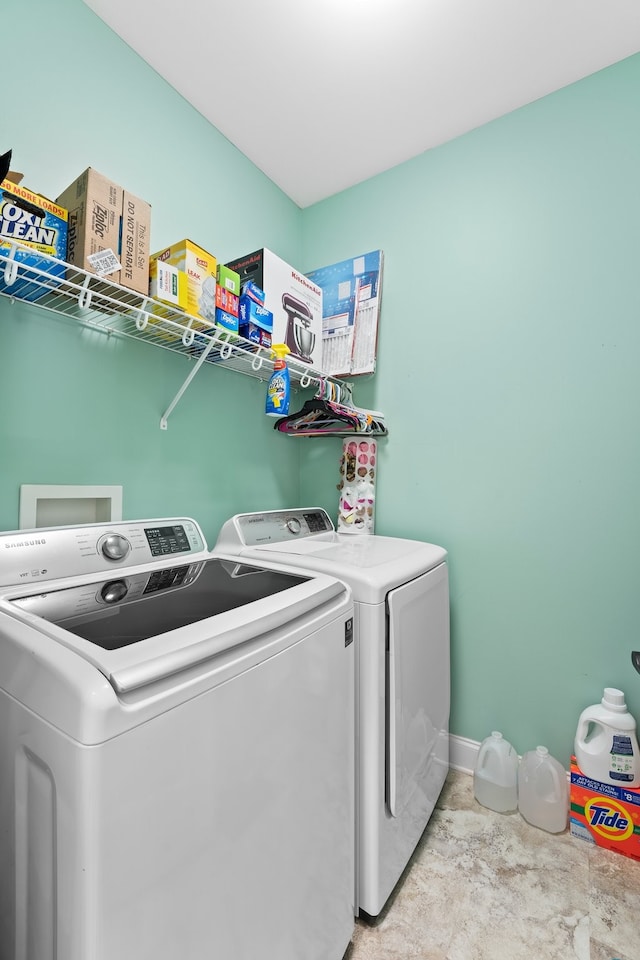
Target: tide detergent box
x=605, y=814
x=39, y=226
x=199, y=266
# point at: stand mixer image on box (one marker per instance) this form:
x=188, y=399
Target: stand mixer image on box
x=300, y=337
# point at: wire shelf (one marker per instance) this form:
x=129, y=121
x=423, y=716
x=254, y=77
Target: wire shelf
x=96, y=302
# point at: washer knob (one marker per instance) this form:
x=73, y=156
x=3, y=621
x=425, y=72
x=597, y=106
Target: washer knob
x=114, y=591
x=293, y=525
x=114, y=547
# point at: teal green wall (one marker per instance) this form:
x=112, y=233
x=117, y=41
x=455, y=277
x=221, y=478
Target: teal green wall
x=509, y=371
x=508, y=361
x=79, y=408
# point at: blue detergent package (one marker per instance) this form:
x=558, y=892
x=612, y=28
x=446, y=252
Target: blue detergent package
x=37, y=227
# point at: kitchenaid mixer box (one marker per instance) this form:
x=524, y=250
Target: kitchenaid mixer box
x=294, y=301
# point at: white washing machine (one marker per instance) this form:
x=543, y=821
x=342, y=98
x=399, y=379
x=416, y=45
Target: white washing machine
x=401, y=602
x=176, y=750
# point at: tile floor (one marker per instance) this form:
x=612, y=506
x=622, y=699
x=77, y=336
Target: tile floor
x=488, y=886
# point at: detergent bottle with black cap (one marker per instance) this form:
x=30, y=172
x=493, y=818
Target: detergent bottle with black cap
x=279, y=386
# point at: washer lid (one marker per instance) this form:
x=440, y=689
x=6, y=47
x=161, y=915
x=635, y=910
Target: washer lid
x=154, y=624
x=94, y=669
x=129, y=608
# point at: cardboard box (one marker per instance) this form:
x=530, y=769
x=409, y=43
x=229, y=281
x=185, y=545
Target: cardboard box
x=35, y=222
x=293, y=299
x=351, y=299
x=105, y=216
x=199, y=267
x=134, y=245
x=604, y=814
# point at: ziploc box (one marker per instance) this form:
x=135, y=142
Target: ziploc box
x=251, y=289
x=605, y=814
x=293, y=299
x=35, y=222
x=199, y=266
x=256, y=322
x=226, y=320
x=105, y=216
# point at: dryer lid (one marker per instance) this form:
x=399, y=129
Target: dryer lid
x=304, y=538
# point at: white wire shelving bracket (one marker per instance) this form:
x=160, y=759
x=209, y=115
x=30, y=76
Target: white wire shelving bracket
x=97, y=303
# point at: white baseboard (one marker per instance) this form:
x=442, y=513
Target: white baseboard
x=463, y=753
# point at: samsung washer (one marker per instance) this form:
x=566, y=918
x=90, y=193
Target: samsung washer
x=401, y=602
x=176, y=750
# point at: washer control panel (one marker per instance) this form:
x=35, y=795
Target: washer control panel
x=32, y=556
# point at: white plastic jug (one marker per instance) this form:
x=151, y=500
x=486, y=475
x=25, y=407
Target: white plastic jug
x=495, y=778
x=606, y=745
x=543, y=791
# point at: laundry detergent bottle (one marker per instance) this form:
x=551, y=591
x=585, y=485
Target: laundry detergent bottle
x=279, y=386
x=606, y=744
x=495, y=777
x=543, y=791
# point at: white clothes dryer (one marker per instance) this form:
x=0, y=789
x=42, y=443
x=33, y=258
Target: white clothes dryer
x=401, y=603
x=176, y=750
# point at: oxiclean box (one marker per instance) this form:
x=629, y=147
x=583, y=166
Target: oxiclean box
x=37, y=223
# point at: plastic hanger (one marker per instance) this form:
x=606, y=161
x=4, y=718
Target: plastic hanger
x=331, y=412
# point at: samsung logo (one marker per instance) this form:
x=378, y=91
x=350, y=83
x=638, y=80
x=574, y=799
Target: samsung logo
x=25, y=543
x=255, y=519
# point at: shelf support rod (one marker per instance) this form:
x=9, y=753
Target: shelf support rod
x=201, y=359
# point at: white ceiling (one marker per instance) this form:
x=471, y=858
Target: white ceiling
x=322, y=95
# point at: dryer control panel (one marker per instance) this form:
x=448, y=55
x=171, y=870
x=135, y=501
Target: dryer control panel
x=51, y=553
x=273, y=526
